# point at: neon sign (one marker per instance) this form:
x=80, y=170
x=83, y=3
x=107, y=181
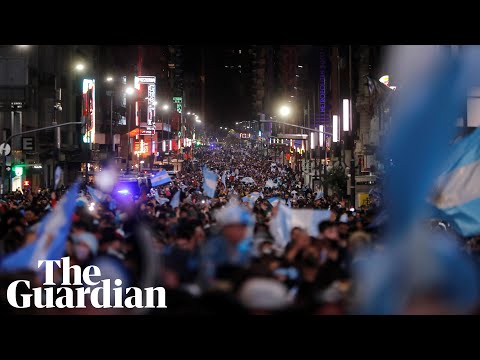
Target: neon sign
x=88, y=110
x=150, y=81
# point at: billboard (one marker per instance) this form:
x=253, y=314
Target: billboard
x=149, y=81
x=88, y=110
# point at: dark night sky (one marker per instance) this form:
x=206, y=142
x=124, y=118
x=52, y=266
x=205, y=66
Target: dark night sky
x=226, y=101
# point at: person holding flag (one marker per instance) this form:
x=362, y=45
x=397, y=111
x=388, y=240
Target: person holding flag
x=51, y=237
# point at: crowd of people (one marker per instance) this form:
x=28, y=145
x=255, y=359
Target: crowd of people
x=212, y=254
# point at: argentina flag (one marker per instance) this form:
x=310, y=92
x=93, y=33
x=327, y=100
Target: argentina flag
x=457, y=194
x=96, y=195
x=175, y=200
x=287, y=218
x=209, y=182
x=51, y=237
x=161, y=178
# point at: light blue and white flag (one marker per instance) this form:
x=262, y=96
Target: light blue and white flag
x=319, y=195
x=457, y=194
x=161, y=178
x=96, y=195
x=287, y=218
x=274, y=201
x=58, y=175
x=51, y=236
x=175, y=202
x=209, y=182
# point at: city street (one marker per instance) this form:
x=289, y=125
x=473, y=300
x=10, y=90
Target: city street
x=255, y=180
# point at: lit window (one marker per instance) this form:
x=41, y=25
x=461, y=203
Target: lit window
x=239, y=51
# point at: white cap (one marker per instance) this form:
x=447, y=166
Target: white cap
x=344, y=218
x=264, y=294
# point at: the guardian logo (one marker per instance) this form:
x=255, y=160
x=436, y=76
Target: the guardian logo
x=73, y=298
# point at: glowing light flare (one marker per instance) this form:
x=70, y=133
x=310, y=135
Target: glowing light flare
x=346, y=115
x=321, y=135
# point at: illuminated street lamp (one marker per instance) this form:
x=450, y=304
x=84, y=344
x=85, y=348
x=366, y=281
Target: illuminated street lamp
x=109, y=79
x=165, y=107
x=285, y=110
x=79, y=67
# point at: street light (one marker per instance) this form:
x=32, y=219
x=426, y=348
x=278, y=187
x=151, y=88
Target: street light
x=198, y=121
x=109, y=79
x=285, y=111
x=188, y=113
x=165, y=107
x=79, y=67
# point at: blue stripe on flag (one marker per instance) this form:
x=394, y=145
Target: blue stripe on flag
x=175, y=202
x=209, y=182
x=50, y=238
x=161, y=178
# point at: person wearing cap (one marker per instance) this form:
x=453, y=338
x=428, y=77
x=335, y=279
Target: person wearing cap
x=230, y=246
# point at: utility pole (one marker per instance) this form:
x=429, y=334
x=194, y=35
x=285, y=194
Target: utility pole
x=352, y=140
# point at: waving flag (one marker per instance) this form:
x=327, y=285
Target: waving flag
x=416, y=263
x=51, y=237
x=457, y=196
x=161, y=178
x=209, y=182
x=175, y=200
x=274, y=201
x=319, y=195
x=287, y=218
x=432, y=108
x=96, y=195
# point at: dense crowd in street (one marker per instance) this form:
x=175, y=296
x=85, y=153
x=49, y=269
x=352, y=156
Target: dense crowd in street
x=215, y=254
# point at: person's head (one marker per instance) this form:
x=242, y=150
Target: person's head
x=150, y=209
x=328, y=230
x=184, y=237
x=199, y=235
x=359, y=240
x=333, y=215
x=30, y=216
x=300, y=238
x=234, y=221
x=266, y=247
x=85, y=246
x=343, y=229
